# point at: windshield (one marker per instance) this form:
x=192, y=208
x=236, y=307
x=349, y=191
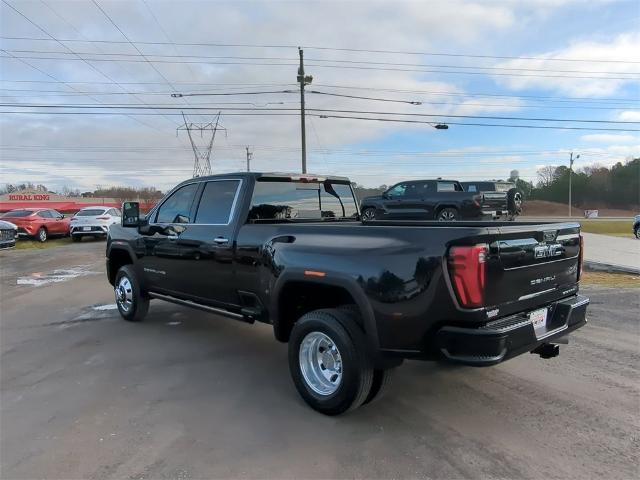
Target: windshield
x=18, y=213
x=94, y=212
x=273, y=200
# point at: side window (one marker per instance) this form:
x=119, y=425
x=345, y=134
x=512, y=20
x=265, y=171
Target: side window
x=217, y=201
x=471, y=188
x=446, y=187
x=399, y=190
x=177, y=207
x=44, y=214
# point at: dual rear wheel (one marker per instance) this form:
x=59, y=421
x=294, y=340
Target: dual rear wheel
x=330, y=365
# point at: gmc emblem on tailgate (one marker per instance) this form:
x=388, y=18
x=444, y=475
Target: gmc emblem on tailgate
x=546, y=251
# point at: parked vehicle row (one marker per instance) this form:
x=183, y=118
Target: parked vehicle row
x=8, y=234
x=44, y=223
x=444, y=200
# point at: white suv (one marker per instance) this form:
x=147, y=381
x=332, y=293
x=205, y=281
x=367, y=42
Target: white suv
x=93, y=222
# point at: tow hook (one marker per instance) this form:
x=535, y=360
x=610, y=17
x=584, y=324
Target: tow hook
x=547, y=350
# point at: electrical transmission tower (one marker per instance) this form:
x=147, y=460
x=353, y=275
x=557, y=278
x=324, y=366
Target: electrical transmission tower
x=202, y=154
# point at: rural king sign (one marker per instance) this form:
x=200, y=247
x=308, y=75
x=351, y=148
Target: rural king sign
x=29, y=197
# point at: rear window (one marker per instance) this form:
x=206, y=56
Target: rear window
x=503, y=187
x=94, y=212
x=18, y=213
x=296, y=200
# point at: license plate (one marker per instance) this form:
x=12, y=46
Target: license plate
x=539, y=320
x=86, y=229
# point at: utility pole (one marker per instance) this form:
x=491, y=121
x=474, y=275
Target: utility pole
x=249, y=155
x=303, y=80
x=571, y=160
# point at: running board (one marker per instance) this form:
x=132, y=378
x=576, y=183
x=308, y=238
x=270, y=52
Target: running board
x=200, y=306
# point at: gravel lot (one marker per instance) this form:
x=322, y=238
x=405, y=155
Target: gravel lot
x=188, y=395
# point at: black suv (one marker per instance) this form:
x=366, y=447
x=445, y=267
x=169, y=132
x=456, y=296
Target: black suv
x=443, y=200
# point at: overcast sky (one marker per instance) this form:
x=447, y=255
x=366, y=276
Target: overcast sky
x=535, y=59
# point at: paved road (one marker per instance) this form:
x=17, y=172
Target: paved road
x=616, y=251
x=189, y=395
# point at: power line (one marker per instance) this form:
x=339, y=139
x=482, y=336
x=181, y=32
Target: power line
x=7, y=112
x=339, y=49
x=368, y=112
x=328, y=60
x=320, y=65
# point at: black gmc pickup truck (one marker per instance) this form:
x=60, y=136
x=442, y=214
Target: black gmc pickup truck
x=352, y=299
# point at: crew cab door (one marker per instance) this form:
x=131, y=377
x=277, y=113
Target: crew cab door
x=162, y=262
x=406, y=200
x=207, y=245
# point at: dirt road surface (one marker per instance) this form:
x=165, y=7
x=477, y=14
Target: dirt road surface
x=186, y=394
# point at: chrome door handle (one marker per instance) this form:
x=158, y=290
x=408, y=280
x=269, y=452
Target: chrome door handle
x=172, y=237
x=221, y=240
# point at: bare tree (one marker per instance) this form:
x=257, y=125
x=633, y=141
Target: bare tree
x=546, y=176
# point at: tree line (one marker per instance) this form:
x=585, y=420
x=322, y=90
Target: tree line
x=592, y=186
x=146, y=194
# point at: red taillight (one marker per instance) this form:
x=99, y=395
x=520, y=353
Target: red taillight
x=580, y=257
x=467, y=266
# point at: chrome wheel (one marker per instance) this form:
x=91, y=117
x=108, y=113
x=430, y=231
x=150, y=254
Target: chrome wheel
x=320, y=363
x=447, y=215
x=369, y=214
x=42, y=235
x=124, y=294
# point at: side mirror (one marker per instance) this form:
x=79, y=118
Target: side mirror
x=130, y=214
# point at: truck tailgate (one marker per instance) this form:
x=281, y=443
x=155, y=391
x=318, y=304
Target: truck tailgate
x=529, y=261
x=495, y=200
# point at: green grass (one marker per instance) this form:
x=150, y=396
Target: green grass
x=615, y=280
x=616, y=228
x=29, y=244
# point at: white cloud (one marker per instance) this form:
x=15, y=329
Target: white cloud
x=625, y=47
x=609, y=138
x=629, y=116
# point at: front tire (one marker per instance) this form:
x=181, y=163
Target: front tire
x=42, y=235
x=368, y=214
x=637, y=233
x=329, y=363
x=132, y=303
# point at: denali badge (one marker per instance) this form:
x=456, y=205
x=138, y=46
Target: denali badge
x=544, y=251
x=538, y=281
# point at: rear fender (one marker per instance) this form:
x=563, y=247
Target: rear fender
x=334, y=280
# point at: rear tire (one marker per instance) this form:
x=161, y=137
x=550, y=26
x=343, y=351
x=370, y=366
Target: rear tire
x=637, y=233
x=132, y=303
x=381, y=384
x=42, y=235
x=447, y=214
x=329, y=363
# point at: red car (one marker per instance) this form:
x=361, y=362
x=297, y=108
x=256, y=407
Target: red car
x=40, y=223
